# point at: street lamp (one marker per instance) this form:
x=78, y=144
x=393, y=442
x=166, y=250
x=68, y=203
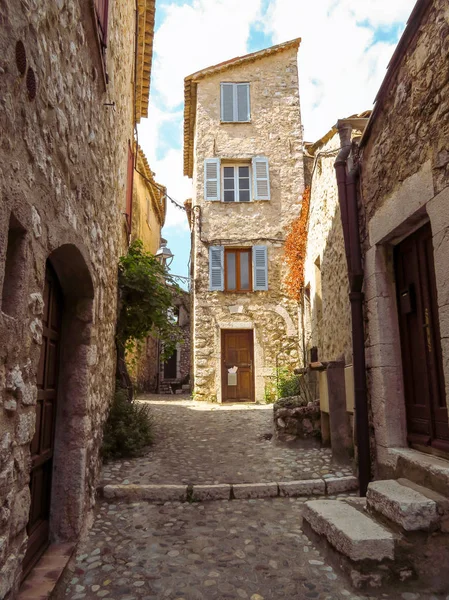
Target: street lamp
x=164, y=255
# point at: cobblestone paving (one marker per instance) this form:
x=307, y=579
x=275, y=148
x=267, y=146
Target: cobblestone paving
x=252, y=549
x=197, y=442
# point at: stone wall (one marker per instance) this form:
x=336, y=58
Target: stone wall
x=275, y=132
x=327, y=318
x=404, y=183
x=148, y=216
x=63, y=161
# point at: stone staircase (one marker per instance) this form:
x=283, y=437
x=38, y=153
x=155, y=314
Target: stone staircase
x=398, y=533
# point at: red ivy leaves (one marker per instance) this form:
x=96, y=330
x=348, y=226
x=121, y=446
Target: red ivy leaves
x=295, y=249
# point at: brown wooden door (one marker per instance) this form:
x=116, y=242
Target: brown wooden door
x=237, y=351
x=43, y=441
x=427, y=417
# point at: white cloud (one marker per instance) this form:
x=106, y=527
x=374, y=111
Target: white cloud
x=193, y=37
x=340, y=64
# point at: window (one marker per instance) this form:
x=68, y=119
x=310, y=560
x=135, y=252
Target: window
x=236, y=183
x=241, y=182
x=13, y=282
x=148, y=213
x=235, y=106
x=238, y=269
x=101, y=13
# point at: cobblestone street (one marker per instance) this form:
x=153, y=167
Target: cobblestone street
x=197, y=442
x=248, y=549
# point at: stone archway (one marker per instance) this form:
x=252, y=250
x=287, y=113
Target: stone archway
x=72, y=431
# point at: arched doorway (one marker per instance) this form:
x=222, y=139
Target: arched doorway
x=59, y=447
x=42, y=446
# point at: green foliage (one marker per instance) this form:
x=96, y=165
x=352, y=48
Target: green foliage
x=288, y=384
x=128, y=428
x=270, y=392
x=147, y=293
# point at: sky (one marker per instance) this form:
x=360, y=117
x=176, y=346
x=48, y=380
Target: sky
x=345, y=49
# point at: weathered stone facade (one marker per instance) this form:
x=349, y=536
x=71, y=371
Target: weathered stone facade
x=148, y=217
x=63, y=157
x=404, y=184
x=274, y=131
x=327, y=318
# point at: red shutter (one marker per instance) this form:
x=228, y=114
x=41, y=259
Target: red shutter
x=129, y=187
x=102, y=11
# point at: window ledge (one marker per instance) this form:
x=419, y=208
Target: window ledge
x=235, y=122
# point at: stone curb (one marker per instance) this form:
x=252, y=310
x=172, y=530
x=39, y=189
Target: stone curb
x=223, y=491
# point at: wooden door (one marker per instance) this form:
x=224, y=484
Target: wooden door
x=427, y=416
x=42, y=446
x=237, y=350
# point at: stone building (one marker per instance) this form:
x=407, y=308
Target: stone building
x=174, y=373
x=69, y=105
x=148, y=217
x=394, y=194
x=243, y=148
x=325, y=315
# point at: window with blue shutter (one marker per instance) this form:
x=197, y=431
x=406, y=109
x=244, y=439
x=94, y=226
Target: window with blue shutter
x=260, y=268
x=212, y=179
x=216, y=268
x=261, y=177
x=235, y=103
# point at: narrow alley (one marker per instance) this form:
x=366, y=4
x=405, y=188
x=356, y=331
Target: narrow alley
x=224, y=300
x=252, y=548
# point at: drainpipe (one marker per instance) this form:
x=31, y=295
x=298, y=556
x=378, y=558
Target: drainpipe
x=347, y=196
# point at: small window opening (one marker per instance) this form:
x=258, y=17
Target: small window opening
x=14, y=268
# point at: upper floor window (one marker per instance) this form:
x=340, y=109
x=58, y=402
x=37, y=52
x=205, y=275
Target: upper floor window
x=102, y=13
x=238, y=182
x=235, y=104
x=238, y=270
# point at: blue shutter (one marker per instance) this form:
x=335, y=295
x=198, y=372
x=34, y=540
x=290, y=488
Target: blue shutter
x=260, y=268
x=227, y=102
x=216, y=268
x=243, y=114
x=261, y=176
x=212, y=179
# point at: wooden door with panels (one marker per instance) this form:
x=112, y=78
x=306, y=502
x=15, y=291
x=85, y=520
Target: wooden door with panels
x=237, y=373
x=426, y=409
x=42, y=445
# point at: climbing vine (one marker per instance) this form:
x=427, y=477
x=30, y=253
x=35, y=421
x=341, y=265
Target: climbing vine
x=295, y=249
x=146, y=297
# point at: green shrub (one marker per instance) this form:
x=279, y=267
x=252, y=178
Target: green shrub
x=128, y=428
x=288, y=384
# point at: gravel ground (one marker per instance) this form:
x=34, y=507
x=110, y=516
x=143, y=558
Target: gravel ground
x=199, y=443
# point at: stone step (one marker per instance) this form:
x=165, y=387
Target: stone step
x=352, y=533
x=407, y=504
x=429, y=471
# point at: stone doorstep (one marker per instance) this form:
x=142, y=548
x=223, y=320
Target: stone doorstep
x=405, y=504
x=423, y=469
x=239, y=491
x=44, y=576
x=352, y=533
